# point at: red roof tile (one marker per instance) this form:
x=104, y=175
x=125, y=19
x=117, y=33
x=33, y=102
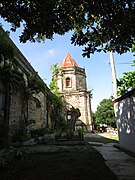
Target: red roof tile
x=68, y=61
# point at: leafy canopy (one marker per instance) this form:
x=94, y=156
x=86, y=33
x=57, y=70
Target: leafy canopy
x=127, y=82
x=6, y=50
x=9, y=72
x=105, y=113
x=98, y=24
x=56, y=97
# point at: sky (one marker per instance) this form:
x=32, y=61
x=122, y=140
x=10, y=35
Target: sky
x=98, y=71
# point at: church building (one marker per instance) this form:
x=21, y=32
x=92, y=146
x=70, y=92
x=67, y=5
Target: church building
x=72, y=84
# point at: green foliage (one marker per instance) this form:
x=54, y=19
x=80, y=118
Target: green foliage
x=60, y=123
x=97, y=25
x=133, y=63
x=55, y=69
x=32, y=88
x=78, y=162
x=133, y=48
x=133, y=51
x=9, y=72
x=94, y=120
x=56, y=100
x=105, y=113
x=20, y=136
x=101, y=139
x=8, y=156
x=36, y=85
x=38, y=132
x=6, y=50
x=11, y=78
x=126, y=83
x=56, y=97
x=53, y=86
x=80, y=132
x=60, y=126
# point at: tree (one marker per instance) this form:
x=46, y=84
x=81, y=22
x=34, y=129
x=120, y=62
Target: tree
x=10, y=77
x=98, y=24
x=55, y=70
x=105, y=113
x=133, y=51
x=127, y=82
x=56, y=98
x=6, y=51
x=13, y=80
x=30, y=90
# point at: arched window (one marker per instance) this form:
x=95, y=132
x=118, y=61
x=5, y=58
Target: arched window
x=68, y=82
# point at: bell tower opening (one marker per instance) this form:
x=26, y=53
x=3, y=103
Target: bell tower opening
x=68, y=82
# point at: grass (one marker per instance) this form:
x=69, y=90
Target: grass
x=102, y=138
x=77, y=165
x=110, y=136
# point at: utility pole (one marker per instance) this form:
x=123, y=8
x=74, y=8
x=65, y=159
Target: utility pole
x=115, y=96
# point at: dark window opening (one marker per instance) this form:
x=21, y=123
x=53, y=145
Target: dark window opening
x=68, y=82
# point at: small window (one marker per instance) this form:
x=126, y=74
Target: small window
x=68, y=82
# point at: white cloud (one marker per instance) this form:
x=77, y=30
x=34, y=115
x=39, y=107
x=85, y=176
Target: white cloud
x=51, y=52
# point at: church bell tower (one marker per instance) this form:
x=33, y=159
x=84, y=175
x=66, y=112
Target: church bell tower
x=73, y=87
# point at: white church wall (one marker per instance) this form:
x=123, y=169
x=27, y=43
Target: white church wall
x=125, y=116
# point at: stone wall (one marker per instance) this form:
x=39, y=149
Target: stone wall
x=81, y=100
x=76, y=95
x=40, y=115
x=81, y=79
x=15, y=113
x=125, y=116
